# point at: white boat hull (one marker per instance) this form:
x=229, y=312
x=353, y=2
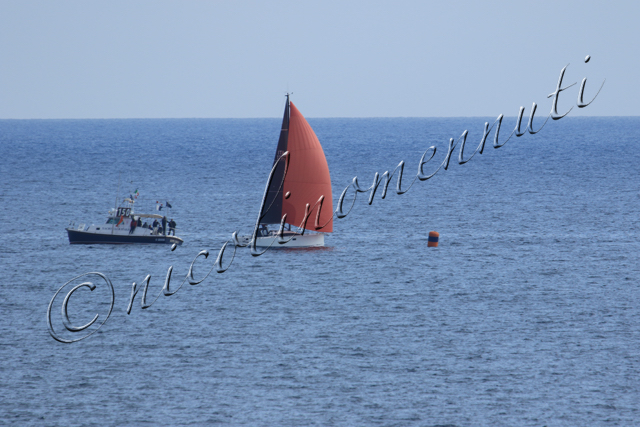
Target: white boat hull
x=295, y=241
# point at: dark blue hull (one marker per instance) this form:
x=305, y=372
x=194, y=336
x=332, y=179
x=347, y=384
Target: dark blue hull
x=82, y=237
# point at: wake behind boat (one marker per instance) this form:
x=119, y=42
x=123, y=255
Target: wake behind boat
x=124, y=226
x=307, y=180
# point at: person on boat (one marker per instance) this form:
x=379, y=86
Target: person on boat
x=164, y=225
x=264, y=231
x=139, y=222
x=172, y=227
x=133, y=225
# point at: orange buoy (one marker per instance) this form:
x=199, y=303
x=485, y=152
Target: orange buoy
x=433, y=239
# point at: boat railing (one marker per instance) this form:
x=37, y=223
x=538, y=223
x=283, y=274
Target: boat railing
x=156, y=231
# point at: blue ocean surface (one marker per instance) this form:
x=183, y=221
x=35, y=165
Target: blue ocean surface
x=526, y=314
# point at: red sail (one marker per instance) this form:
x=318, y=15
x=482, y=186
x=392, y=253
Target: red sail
x=307, y=177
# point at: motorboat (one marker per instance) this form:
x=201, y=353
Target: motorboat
x=124, y=226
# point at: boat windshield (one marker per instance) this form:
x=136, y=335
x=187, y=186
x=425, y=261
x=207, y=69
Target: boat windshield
x=112, y=220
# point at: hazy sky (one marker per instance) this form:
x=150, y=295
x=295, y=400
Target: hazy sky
x=159, y=59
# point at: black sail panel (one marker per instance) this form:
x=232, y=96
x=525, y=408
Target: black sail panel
x=272, y=213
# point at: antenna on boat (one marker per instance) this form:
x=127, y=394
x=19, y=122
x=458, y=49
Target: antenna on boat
x=118, y=193
x=287, y=104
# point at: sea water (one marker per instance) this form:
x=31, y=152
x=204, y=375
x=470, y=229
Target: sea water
x=525, y=314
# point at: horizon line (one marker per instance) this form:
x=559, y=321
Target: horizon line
x=277, y=117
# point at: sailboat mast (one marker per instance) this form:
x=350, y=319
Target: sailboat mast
x=287, y=109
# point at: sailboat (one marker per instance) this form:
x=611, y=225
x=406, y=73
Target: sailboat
x=305, y=190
